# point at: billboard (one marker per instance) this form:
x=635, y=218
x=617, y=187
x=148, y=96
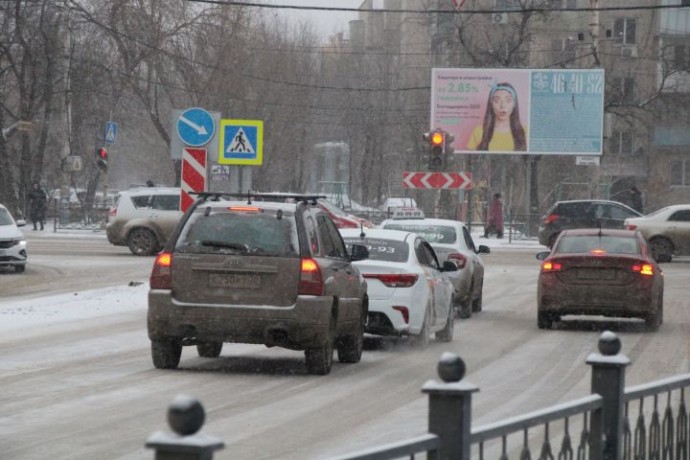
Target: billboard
x=529, y=111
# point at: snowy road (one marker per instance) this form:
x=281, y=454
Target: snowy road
x=77, y=379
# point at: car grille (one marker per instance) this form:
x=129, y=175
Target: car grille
x=7, y=244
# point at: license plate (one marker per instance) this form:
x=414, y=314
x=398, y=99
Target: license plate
x=234, y=281
x=590, y=274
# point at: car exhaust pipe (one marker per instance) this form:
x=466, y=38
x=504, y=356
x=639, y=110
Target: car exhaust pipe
x=276, y=335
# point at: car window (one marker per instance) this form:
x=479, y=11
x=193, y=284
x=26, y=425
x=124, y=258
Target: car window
x=166, y=202
x=442, y=234
x=620, y=213
x=327, y=246
x=239, y=233
x=610, y=244
x=381, y=249
x=468, y=239
x=338, y=245
x=433, y=262
x=575, y=210
x=680, y=216
x=312, y=235
x=141, y=201
x=5, y=218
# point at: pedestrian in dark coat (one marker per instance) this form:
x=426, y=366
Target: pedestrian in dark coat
x=635, y=199
x=494, y=222
x=38, y=202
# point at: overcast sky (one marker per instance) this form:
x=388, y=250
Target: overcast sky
x=326, y=22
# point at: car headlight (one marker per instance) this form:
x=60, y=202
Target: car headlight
x=20, y=243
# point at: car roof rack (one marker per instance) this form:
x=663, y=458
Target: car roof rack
x=259, y=196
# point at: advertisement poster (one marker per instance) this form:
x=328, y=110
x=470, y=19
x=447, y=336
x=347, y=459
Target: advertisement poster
x=529, y=111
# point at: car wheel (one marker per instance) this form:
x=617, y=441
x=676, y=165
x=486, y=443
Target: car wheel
x=351, y=346
x=209, y=349
x=19, y=268
x=465, y=310
x=477, y=301
x=142, y=242
x=422, y=339
x=544, y=320
x=446, y=334
x=166, y=353
x=320, y=360
x=662, y=249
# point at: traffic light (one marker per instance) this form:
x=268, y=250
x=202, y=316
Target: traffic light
x=448, y=150
x=437, y=142
x=102, y=159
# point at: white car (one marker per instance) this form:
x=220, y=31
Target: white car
x=409, y=291
x=12, y=241
x=452, y=241
x=667, y=230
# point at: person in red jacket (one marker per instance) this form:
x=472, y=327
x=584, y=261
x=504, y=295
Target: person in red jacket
x=494, y=221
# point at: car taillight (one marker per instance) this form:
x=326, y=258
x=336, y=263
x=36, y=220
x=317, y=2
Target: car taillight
x=405, y=312
x=644, y=269
x=551, y=267
x=401, y=280
x=459, y=259
x=551, y=218
x=631, y=226
x=161, y=275
x=112, y=212
x=310, y=280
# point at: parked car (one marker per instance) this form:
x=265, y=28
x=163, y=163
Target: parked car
x=341, y=218
x=452, y=241
x=271, y=273
x=564, y=215
x=12, y=241
x=398, y=202
x=667, y=230
x=144, y=218
x=600, y=272
x=409, y=292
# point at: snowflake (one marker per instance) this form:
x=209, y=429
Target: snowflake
x=540, y=81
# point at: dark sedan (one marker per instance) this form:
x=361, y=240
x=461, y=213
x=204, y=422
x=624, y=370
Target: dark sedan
x=600, y=272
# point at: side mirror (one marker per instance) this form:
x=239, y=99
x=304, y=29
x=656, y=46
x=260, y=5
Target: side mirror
x=542, y=255
x=21, y=222
x=359, y=252
x=449, y=266
x=483, y=249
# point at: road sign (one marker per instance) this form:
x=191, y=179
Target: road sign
x=437, y=180
x=195, y=127
x=241, y=142
x=110, y=132
x=193, y=175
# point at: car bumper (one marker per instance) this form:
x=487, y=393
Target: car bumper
x=619, y=301
x=13, y=256
x=383, y=319
x=303, y=325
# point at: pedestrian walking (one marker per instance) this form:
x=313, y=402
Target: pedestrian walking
x=494, y=223
x=636, y=199
x=38, y=202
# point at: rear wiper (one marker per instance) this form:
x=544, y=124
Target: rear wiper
x=225, y=244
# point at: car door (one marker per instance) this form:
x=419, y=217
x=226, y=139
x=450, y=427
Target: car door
x=473, y=258
x=617, y=214
x=678, y=230
x=165, y=213
x=439, y=285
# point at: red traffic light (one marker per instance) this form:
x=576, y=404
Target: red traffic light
x=102, y=154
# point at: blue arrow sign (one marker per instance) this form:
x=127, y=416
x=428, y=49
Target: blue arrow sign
x=195, y=127
x=110, y=132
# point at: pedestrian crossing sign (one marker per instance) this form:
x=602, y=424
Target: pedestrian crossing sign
x=241, y=142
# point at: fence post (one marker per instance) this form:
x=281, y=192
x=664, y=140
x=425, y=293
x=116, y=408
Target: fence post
x=185, y=416
x=608, y=380
x=450, y=408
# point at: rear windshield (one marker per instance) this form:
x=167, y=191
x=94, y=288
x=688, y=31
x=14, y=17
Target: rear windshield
x=380, y=249
x=253, y=233
x=432, y=233
x=610, y=244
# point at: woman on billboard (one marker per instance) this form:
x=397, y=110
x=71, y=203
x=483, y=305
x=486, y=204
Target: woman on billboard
x=501, y=129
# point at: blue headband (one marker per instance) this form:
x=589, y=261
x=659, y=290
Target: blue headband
x=497, y=87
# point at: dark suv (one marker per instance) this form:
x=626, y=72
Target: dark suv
x=257, y=272
x=564, y=215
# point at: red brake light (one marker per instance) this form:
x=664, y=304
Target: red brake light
x=459, y=259
x=310, y=280
x=161, y=275
x=401, y=280
x=551, y=218
x=644, y=269
x=405, y=312
x=244, y=208
x=598, y=252
x=551, y=267
x=631, y=226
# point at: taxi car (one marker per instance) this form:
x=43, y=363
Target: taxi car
x=260, y=272
x=451, y=240
x=12, y=242
x=409, y=292
x=667, y=230
x=604, y=272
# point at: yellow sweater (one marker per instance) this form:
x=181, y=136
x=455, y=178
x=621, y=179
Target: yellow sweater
x=499, y=142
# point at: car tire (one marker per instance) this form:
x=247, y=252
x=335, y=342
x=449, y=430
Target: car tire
x=477, y=301
x=465, y=310
x=544, y=320
x=142, y=242
x=319, y=360
x=166, y=353
x=209, y=349
x=446, y=334
x=654, y=319
x=662, y=249
x=19, y=268
x=422, y=339
x=351, y=346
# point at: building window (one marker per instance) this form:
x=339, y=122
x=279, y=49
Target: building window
x=621, y=142
x=680, y=173
x=622, y=89
x=624, y=31
x=562, y=51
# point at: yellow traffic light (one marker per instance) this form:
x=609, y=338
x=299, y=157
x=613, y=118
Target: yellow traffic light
x=437, y=138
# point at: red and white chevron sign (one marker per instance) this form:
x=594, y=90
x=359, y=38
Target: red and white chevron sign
x=193, y=175
x=443, y=180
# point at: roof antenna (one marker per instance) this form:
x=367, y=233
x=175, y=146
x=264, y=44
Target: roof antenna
x=249, y=196
x=361, y=230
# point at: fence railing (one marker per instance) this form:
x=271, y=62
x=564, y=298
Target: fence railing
x=595, y=427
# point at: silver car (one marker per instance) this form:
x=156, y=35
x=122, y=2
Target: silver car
x=452, y=241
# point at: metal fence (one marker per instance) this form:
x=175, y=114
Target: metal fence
x=77, y=216
x=596, y=427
